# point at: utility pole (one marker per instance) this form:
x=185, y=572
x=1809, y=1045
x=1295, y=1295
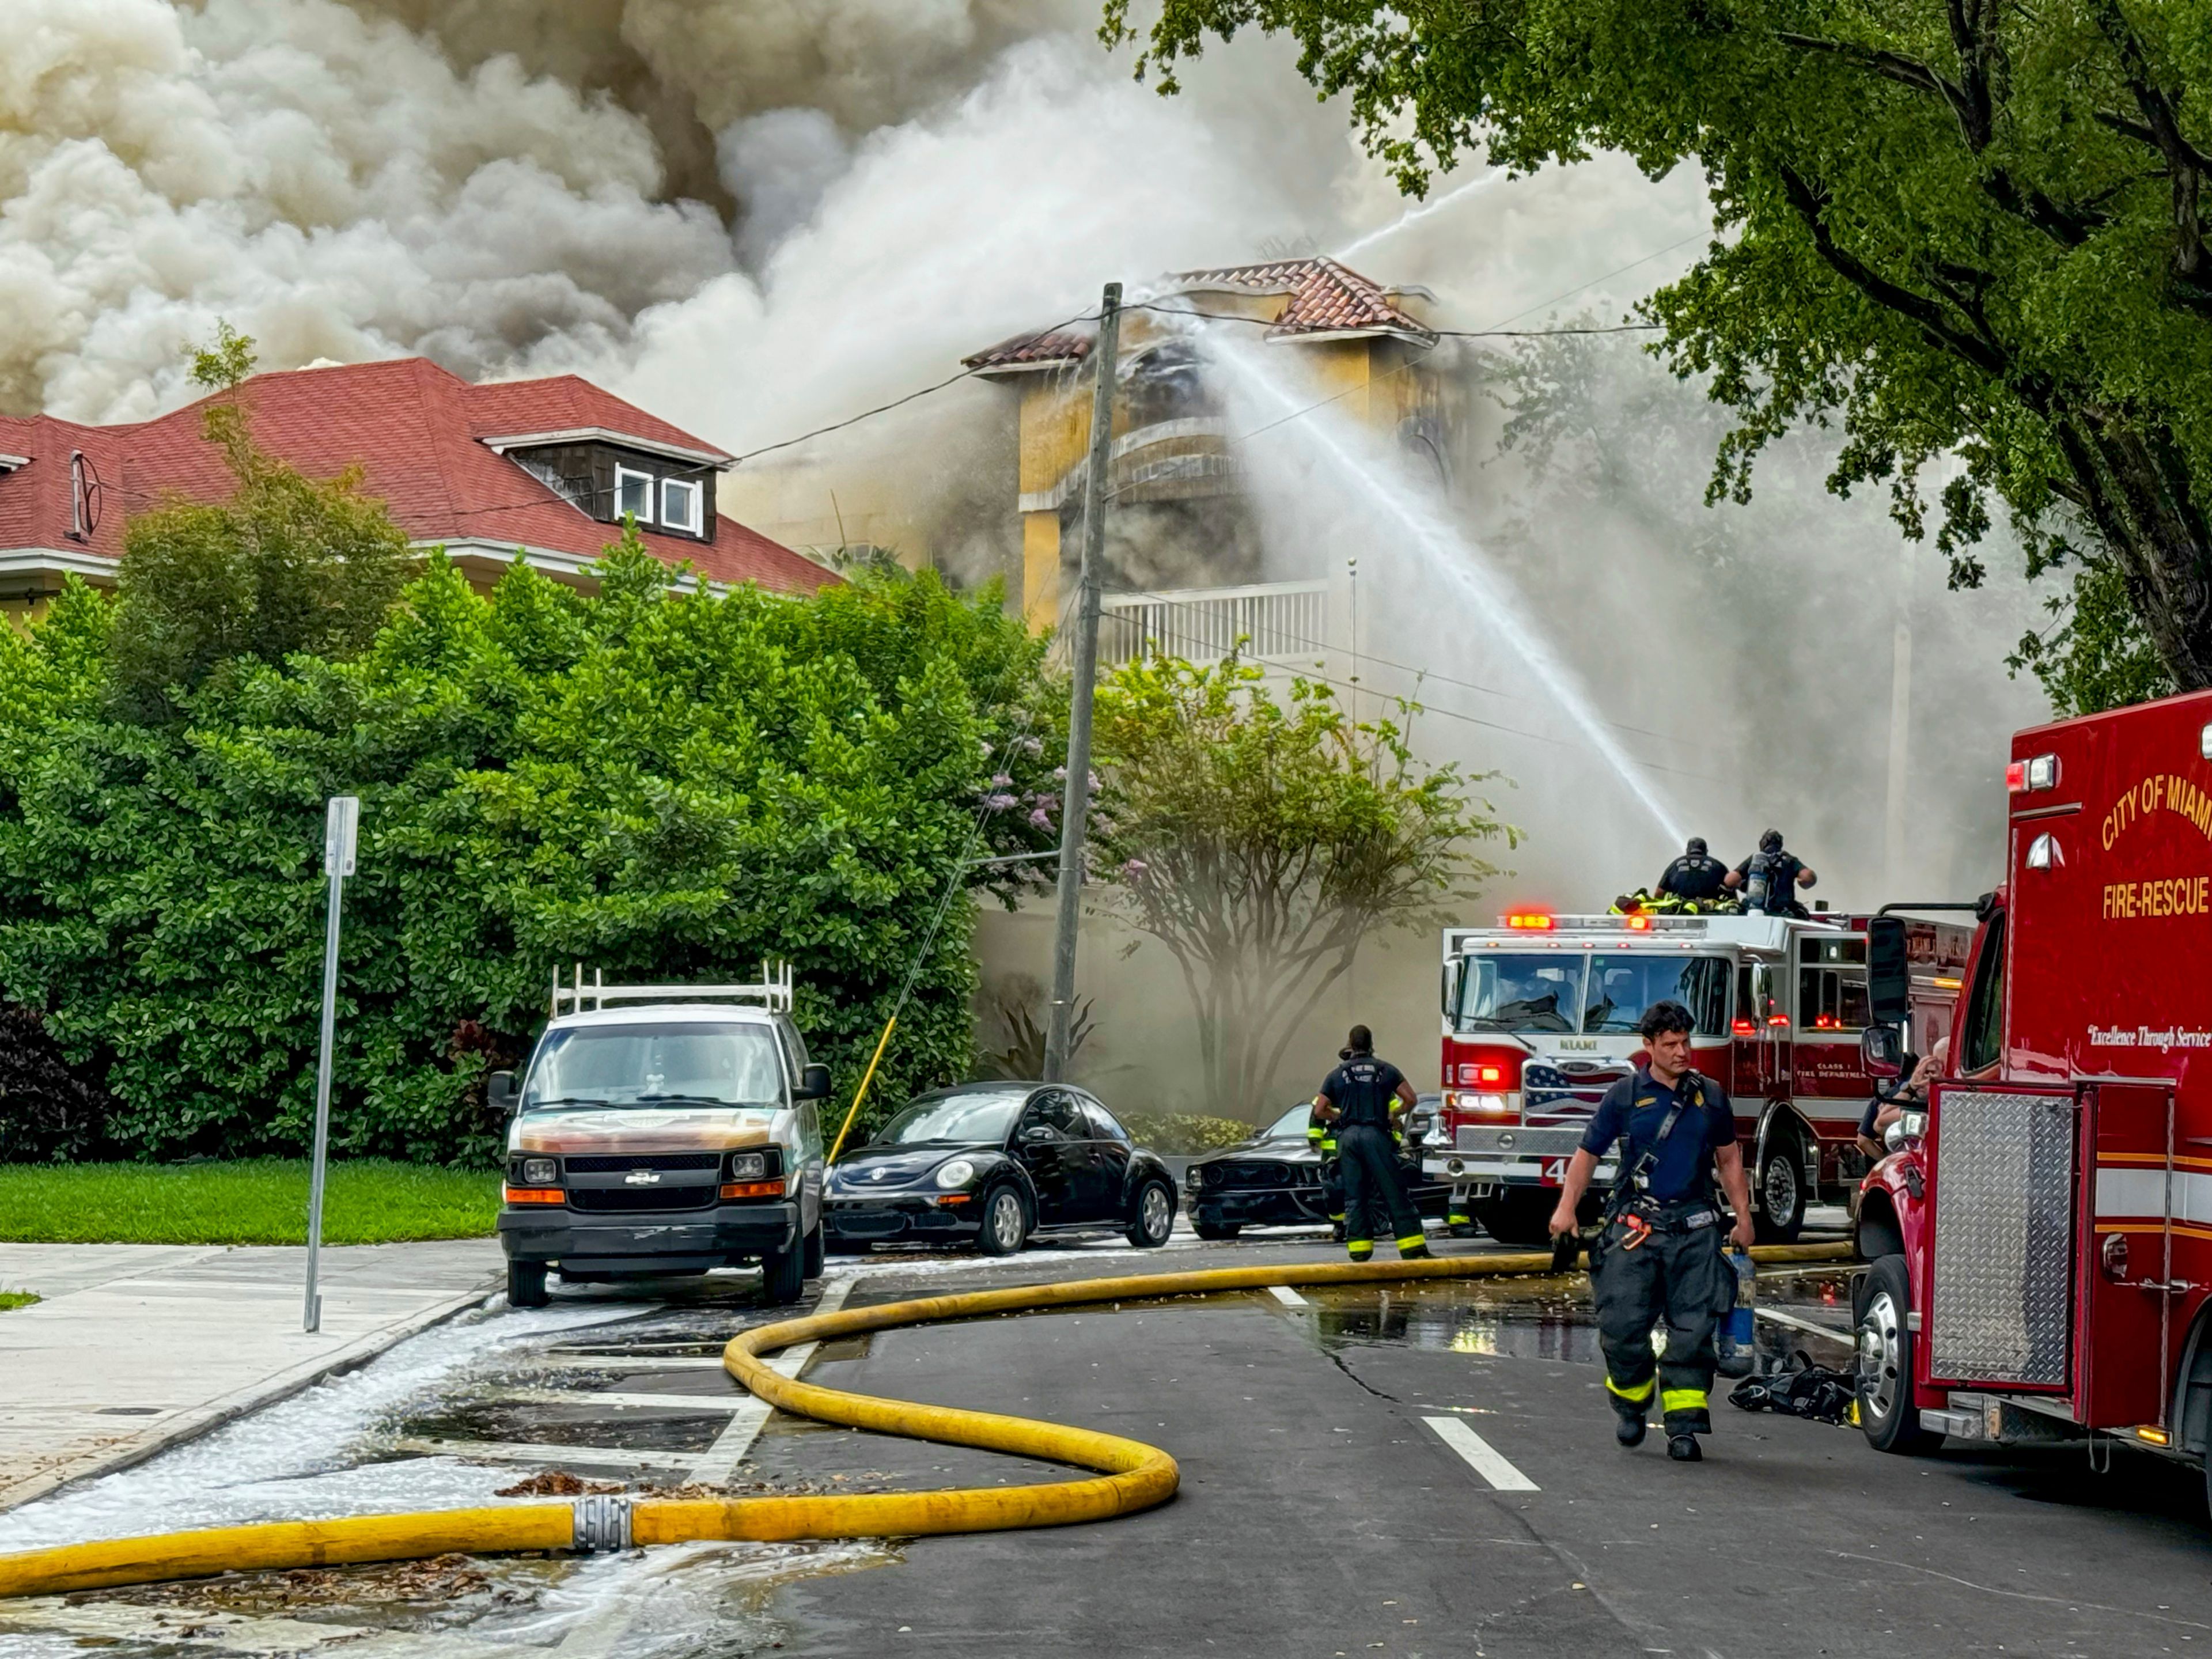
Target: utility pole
x=1075, y=801
x=341, y=826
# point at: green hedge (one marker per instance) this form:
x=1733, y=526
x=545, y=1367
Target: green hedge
x=662, y=785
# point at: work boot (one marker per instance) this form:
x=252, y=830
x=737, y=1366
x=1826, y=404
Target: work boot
x=1628, y=1426
x=1414, y=1253
x=1684, y=1449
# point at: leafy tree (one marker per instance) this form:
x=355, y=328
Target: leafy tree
x=664, y=784
x=1970, y=232
x=286, y=564
x=1262, y=841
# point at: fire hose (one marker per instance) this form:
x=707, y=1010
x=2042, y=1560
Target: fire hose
x=1129, y=1475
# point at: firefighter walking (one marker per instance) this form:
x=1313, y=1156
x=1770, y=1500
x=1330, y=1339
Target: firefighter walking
x=1359, y=1101
x=1657, y=1260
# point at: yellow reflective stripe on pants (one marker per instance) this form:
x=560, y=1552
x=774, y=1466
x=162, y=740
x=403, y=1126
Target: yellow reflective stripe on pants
x=1410, y=1240
x=1680, y=1400
x=1358, y=1244
x=1638, y=1392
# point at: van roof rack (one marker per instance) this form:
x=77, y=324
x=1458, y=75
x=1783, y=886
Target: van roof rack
x=773, y=992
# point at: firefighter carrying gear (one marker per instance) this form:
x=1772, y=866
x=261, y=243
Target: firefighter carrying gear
x=1669, y=1270
x=1373, y=1191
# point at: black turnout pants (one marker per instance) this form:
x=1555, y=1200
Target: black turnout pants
x=1674, y=1278
x=1374, y=1192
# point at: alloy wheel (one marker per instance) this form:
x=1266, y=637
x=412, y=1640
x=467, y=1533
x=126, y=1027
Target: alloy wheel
x=1879, y=1368
x=1157, y=1212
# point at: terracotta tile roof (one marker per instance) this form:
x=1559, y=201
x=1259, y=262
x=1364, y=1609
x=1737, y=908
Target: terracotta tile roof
x=416, y=430
x=1035, y=350
x=1325, y=297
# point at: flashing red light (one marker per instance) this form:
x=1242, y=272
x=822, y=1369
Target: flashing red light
x=1778, y=1020
x=1639, y=924
x=2016, y=777
x=1533, y=922
x=1490, y=1074
x=1824, y=1023
x=1742, y=1027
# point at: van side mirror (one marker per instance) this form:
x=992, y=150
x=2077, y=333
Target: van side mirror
x=500, y=1092
x=814, y=1083
x=1882, y=1053
x=1889, y=984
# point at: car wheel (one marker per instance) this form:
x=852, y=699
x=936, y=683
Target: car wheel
x=783, y=1277
x=1889, y=1413
x=1153, y=1219
x=816, y=1249
x=1214, y=1231
x=1781, y=1193
x=526, y=1284
x=1005, y=1222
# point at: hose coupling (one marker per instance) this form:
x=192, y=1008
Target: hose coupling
x=602, y=1525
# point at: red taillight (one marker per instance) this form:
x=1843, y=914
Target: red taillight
x=1531, y=921
x=2016, y=777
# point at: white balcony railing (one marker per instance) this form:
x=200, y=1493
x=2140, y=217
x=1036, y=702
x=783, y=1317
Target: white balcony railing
x=1277, y=621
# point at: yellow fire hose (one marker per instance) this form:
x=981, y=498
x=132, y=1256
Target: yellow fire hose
x=1132, y=1475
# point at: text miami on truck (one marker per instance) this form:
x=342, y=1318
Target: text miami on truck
x=1539, y=1019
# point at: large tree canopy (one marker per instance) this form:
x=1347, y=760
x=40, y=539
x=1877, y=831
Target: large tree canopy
x=1970, y=232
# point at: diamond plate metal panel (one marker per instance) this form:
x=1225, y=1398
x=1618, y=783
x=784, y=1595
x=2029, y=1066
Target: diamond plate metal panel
x=2002, y=1303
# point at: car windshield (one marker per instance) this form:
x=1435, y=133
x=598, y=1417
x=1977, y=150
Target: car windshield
x=1622, y=986
x=985, y=1115
x=1532, y=992
x=1292, y=1126
x=678, y=1063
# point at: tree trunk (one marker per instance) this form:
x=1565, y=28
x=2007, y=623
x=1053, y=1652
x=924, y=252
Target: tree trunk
x=2137, y=492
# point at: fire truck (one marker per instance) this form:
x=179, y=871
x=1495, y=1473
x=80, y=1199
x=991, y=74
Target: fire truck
x=2041, y=1241
x=1540, y=1017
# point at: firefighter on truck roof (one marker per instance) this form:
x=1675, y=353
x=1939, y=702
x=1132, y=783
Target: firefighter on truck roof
x=1658, y=1257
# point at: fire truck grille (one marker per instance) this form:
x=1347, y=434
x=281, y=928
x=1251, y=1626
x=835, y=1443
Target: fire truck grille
x=2001, y=1310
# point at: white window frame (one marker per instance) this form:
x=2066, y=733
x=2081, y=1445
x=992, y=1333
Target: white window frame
x=624, y=475
x=696, y=523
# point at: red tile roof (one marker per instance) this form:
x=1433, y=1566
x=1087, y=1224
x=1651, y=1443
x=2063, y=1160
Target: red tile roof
x=416, y=432
x=1324, y=298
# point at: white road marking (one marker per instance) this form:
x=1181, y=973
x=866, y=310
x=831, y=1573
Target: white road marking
x=1480, y=1455
x=720, y=1461
x=1807, y=1326
x=683, y=1402
x=1287, y=1297
x=531, y=1451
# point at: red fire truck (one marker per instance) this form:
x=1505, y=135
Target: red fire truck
x=1539, y=1019
x=2040, y=1244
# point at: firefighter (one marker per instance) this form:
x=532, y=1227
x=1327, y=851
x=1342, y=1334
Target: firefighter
x=1693, y=877
x=1360, y=1101
x=1769, y=878
x=1657, y=1259
x=1321, y=1137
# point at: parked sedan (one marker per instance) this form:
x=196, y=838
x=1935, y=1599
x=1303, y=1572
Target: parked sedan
x=993, y=1163
x=1274, y=1178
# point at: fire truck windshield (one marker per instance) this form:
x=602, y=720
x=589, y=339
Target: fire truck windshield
x=1521, y=993
x=1622, y=986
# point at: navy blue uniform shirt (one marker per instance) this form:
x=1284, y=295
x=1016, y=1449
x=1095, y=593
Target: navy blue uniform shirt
x=1688, y=878
x=1783, y=870
x=1635, y=1109
x=1362, y=1089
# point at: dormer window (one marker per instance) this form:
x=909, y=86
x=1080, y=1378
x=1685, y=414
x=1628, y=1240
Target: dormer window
x=681, y=499
x=634, y=494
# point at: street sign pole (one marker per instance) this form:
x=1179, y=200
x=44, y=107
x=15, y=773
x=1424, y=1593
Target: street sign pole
x=340, y=829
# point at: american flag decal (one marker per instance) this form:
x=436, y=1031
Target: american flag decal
x=1548, y=1090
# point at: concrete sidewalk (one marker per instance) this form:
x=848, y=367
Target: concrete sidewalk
x=135, y=1347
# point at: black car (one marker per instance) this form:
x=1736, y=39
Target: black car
x=1273, y=1179
x=993, y=1162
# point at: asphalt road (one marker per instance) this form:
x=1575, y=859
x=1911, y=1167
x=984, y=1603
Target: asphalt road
x=1321, y=1513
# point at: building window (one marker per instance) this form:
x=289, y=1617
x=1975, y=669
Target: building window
x=679, y=504
x=634, y=494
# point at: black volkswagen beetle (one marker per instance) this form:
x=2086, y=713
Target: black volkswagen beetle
x=993, y=1162
x=1273, y=1180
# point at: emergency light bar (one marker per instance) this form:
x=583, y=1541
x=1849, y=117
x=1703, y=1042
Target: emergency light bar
x=1544, y=922
x=2041, y=773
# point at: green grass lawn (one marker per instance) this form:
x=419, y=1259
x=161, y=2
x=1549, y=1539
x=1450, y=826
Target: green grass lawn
x=261, y=1201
